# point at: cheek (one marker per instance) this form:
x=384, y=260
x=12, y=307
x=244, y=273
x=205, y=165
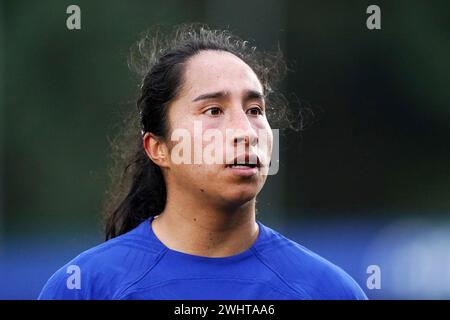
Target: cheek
x=188, y=176
x=266, y=140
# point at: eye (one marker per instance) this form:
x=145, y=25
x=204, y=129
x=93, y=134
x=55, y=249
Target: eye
x=213, y=111
x=255, y=111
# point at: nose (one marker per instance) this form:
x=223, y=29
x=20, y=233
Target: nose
x=243, y=131
x=249, y=139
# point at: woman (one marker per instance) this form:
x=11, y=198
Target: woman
x=188, y=229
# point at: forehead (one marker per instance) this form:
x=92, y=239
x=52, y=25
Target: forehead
x=212, y=71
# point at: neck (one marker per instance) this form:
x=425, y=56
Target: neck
x=198, y=227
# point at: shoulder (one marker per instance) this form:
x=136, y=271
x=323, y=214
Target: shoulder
x=104, y=270
x=307, y=273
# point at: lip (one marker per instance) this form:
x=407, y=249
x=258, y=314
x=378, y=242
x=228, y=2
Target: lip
x=245, y=171
x=246, y=158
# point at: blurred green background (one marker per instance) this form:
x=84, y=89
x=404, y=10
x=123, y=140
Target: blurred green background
x=377, y=150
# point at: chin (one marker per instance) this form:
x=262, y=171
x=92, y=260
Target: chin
x=240, y=195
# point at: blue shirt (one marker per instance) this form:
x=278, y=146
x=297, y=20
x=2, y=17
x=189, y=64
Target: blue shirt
x=137, y=265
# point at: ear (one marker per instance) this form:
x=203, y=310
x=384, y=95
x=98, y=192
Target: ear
x=156, y=149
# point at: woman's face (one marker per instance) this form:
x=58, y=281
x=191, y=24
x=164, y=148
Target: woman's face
x=220, y=115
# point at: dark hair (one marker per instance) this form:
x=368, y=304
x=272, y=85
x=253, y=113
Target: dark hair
x=160, y=58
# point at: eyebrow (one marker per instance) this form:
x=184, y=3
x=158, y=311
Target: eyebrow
x=249, y=95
